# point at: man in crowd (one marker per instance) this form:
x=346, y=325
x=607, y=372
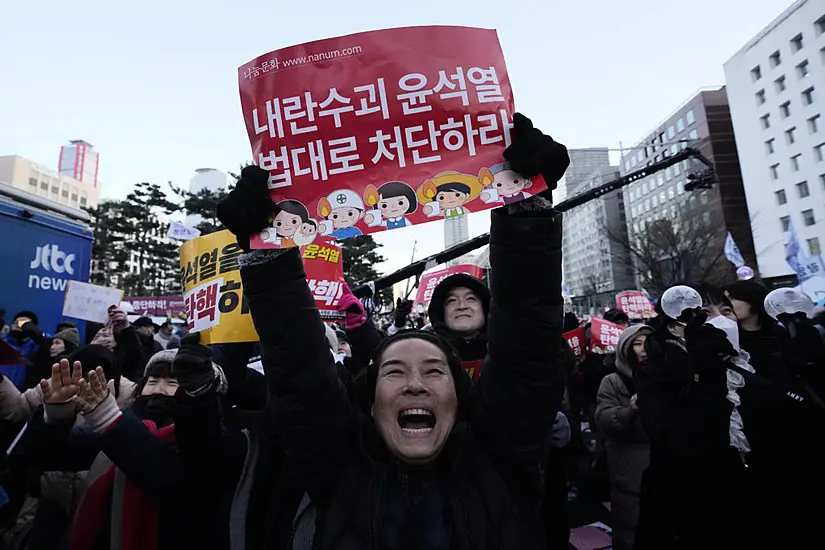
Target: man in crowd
x=26, y=338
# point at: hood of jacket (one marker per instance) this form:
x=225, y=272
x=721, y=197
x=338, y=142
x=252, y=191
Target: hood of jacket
x=625, y=348
x=459, y=280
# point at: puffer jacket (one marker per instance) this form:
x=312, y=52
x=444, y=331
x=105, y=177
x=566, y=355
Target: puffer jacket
x=485, y=491
x=626, y=443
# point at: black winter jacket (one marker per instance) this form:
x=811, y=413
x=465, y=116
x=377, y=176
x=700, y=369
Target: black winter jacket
x=148, y=462
x=489, y=485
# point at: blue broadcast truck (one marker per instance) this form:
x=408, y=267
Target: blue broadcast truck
x=44, y=245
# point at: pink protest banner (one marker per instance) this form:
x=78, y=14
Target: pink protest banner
x=635, y=304
x=575, y=338
x=604, y=335
x=428, y=282
x=157, y=305
x=381, y=130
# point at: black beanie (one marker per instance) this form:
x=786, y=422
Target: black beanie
x=28, y=314
x=93, y=356
x=461, y=379
x=457, y=280
x=753, y=293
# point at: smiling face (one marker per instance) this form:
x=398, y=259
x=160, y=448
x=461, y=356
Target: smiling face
x=160, y=386
x=451, y=199
x=287, y=224
x=415, y=400
x=344, y=217
x=509, y=183
x=393, y=207
x=463, y=311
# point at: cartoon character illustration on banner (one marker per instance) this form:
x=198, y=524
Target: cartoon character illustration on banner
x=503, y=185
x=390, y=203
x=447, y=193
x=341, y=210
x=291, y=227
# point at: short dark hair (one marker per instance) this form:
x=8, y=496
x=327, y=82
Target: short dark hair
x=616, y=315
x=29, y=314
x=295, y=208
x=400, y=189
x=453, y=186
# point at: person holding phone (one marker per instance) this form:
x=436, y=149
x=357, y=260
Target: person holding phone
x=26, y=338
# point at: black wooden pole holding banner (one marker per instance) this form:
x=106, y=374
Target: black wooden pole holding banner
x=702, y=179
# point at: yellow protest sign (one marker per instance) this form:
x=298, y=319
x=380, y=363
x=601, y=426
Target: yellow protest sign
x=213, y=291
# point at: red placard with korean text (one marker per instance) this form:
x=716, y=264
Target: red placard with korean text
x=381, y=130
x=575, y=338
x=429, y=281
x=324, y=266
x=635, y=304
x=604, y=335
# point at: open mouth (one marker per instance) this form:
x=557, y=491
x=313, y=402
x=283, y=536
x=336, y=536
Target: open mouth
x=416, y=421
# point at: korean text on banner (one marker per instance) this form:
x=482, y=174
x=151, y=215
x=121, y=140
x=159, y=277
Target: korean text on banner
x=635, y=304
x=157, y=305
x=381, y=130
x=324, y=266
x=575, y=338
x=89, y=302
x=604, y=335
x=428, y=282
x=212, y=290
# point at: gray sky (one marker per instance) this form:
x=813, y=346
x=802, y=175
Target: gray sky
x=154, y=86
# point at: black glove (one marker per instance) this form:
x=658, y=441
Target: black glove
x=192, y=366
x=30, y=330
x=532, y=153
x=807, y=344
x=402, y=311
x=248, y=209
x=706, y=344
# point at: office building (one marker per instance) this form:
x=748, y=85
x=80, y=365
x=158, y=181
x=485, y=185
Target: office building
x=595, y=266
x=38, y=180
x=776, y=89
x=702, y=216
x=79, y=161
x=583, y=163
x=208, y=179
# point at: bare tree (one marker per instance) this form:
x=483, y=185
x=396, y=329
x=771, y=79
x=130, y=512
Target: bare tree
x=668, y=250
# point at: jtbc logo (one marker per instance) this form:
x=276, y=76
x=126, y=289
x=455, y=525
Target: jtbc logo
x=51, y=258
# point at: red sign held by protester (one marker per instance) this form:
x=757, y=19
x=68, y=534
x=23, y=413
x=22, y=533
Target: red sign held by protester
x=604, y=335
x=381, y=130
x=324, y=266
x=428, y=281
x=635, y=304
x=575, y=338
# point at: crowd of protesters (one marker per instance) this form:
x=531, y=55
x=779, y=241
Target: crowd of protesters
x=479, y=429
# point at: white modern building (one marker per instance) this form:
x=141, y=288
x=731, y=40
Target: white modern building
x=44, y=182
x=776, y=90
x=205, y=179
x=595, y=266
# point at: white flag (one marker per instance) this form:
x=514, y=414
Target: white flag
x=732, y=252
x=182, y=232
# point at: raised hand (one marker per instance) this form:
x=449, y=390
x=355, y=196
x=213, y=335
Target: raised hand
x=64, y=384
x=94, y=391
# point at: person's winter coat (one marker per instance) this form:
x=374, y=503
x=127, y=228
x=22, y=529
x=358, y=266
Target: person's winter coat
x=486, y=491
x=139, y=494
x=626, y=443
x=149, y=347
x=696, y=486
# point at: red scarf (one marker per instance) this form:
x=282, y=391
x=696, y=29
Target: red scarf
x=139, y=524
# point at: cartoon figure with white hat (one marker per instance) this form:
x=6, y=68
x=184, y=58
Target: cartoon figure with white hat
x=341, y=210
